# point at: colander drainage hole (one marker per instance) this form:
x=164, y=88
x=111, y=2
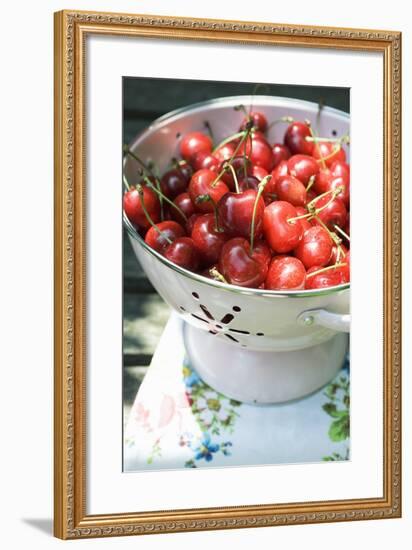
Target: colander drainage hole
x=334, y=133
x=259, y=334
x=195, y=295
x=236, y=308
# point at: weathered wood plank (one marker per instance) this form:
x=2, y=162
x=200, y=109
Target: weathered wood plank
x=144, y=318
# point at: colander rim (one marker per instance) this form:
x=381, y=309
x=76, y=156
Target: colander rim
x=200, y=278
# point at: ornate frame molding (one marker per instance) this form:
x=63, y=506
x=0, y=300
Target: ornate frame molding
x=71, y=520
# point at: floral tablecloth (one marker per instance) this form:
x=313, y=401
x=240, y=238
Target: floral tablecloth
x=178, y=421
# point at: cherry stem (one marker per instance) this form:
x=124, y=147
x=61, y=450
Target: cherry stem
x=234, y=177
x=162, y=196
x=288, y=119
x=312, y=133
x=217, y=276
x=244, y=135
x=126, y=183
x=328, y=268
x=261, y=188
x=331, y=155
x=331, y=234
x=243, y=109
x=310, y=182
x=208, y=198
x=342, y=139
x=209, y=129
x=342, y=232
x=335, y=193
x=229, y=139
x=301, y=217
x=148, y=217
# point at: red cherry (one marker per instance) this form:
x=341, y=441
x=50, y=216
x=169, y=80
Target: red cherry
x=173, y=183
x=202, y=184
x=315, y=248
x=183, y=253
x=327, y=180
x=331, y=152
x=133, y=207
x=248, y=183
x=295, y=139
x=238, y=164
x=235, y=211
x=291, y=190
x=345, y=269
x=238, y=266
x=303, y=167
x=285, y=273
x=333, y=212
x=334, y=256
x=169, y=231
x=184, y=202
x=203, y=159
x=193, y=143
x=191, y=221
x=262, y=253
x=342, y=169
x=281, y=235
x=258, y=172
x=207, y=238
x=279, y=152
x=305, y=223
x=331, y=277
x=259, y=121
x=225, y=152
x=259, y=152
x=310, y=195
x=185, y=169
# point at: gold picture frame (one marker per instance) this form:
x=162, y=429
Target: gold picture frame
x=71, y=29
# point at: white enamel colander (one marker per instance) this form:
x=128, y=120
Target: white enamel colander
x=256, y=346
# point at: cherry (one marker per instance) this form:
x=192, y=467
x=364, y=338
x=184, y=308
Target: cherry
x=305, y=223
x=258, y=120
x=303, y=167
x=295, y=139
x=183, y=253
x=207, y=238
x=331, y=277
x=291, y=190
x=345, y=269
x=134, y=210
x=185, y=169
x=285, y=273
x=184, y=202
x=235, y=212
x=204, y=184
x=258, y=172
x=238, y=266
x=281, y=235
x=332, y=212
x=203, y=159
x=173, y=183
x=334, y=256
x=225, y=152
x=262, y=253
x=259, y=152
x=328, y=152
x=191, y=221
x=238, y=164
x=310, y=195
x=163, y=234
x=279, y=152
x=315, y=248
x=330, y=179
x=249, y=182
x=193, y=143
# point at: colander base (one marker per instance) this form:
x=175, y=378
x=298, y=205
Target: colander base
x=263, y=377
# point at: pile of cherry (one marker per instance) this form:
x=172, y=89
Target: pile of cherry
x=249, y=213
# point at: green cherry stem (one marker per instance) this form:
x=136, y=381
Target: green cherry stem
x=342, y=232
x=217, y=276
x=244, y=135
x=148, y=217
x=208, y=198
x=288, y=119
x=234, y=177
x=310, y=182
x=334, y=192
x=328, y=268
x=312, y=134
x=162, y=196
x=261, y=188
x=229, y=139
x=342, y=139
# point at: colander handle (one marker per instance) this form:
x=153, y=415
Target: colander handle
x=334, y=321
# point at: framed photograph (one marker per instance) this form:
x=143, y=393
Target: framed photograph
x=225, y=356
